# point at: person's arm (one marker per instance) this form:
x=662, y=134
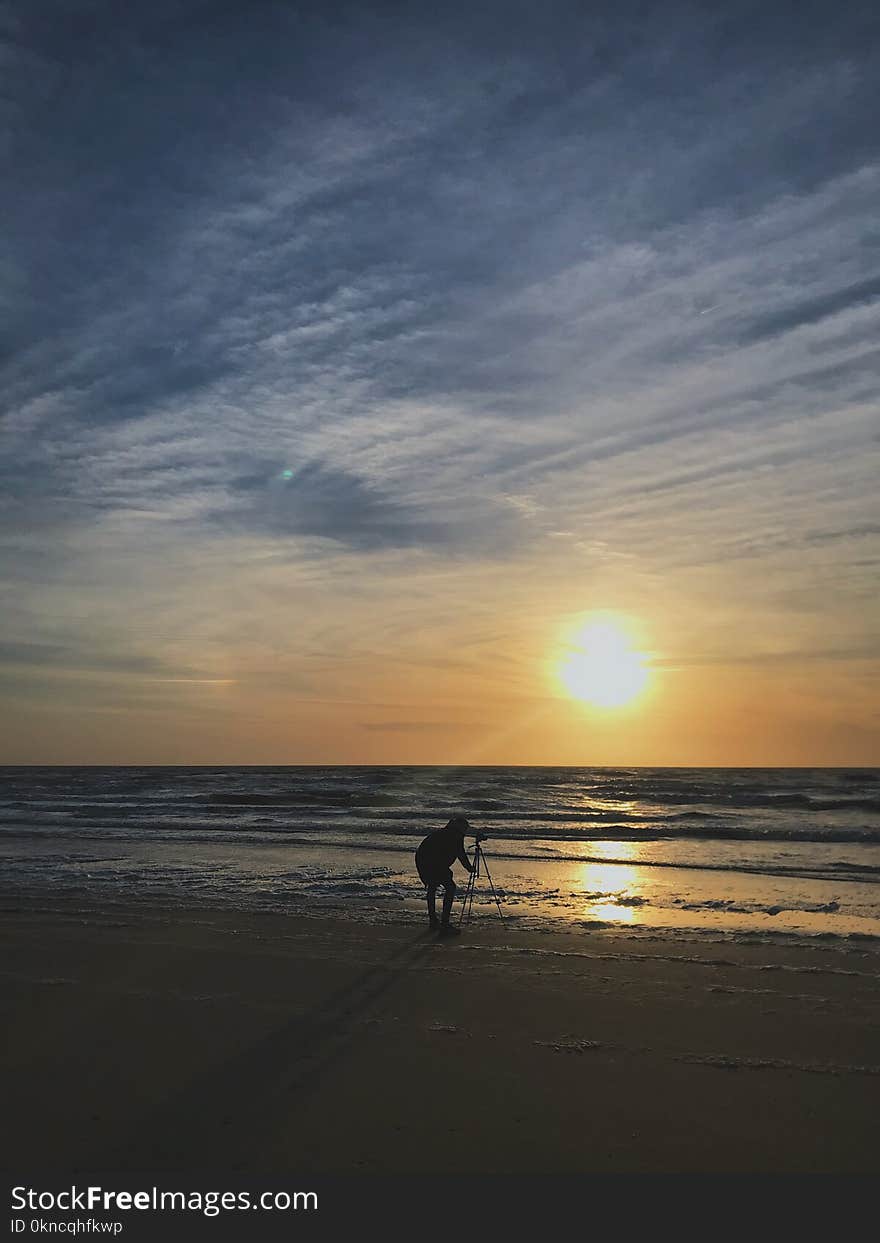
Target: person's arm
x=463, y=859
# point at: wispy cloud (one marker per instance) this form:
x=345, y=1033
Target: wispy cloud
x=390, y=326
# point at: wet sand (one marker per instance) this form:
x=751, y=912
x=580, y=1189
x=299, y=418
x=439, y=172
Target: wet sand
x=155, y=1040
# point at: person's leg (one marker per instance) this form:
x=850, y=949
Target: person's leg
x=430, y=882
x=432, y=906
x=448, y=899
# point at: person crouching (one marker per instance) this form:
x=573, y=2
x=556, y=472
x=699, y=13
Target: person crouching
x=434, y=860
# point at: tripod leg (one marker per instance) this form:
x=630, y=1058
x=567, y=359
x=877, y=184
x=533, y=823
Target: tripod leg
x=470, y=895
x=468, y=901
x=492, y=887
x=473, y=878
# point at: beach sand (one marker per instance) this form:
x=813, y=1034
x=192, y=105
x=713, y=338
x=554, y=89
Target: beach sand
x=158, y=1040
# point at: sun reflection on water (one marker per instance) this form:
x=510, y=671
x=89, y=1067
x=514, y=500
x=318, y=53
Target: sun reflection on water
x=608, y=888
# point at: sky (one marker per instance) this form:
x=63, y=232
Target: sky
x=354, y=357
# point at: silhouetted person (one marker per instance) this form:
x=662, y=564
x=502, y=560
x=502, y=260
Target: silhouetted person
x=434, y=860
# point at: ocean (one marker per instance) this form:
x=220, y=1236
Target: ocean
x=659, y=852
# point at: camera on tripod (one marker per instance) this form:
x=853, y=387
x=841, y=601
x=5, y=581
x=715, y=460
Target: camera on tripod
x=478, y=867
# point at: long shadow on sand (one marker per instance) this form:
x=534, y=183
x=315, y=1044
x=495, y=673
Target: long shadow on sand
x=225, y=1117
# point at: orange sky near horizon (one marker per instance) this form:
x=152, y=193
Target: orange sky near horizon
x=465, y=699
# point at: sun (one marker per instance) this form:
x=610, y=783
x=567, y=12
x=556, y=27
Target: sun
x=600, y=666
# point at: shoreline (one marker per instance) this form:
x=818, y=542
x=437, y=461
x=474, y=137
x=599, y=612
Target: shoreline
x=624, y=888
x=153, y=1038
x=410, y=915
x=627, y=908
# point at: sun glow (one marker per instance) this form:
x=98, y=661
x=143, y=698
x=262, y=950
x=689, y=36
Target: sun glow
x=600, y=667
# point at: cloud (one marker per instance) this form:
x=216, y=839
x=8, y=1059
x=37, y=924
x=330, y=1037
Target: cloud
x=58, y=656
x=405, y=726
x=813, y=310
x=543, y=302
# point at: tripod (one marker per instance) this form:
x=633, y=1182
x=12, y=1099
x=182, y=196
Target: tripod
x=479, y=865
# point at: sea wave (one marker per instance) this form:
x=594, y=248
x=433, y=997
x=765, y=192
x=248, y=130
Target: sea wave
x=566, y=829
